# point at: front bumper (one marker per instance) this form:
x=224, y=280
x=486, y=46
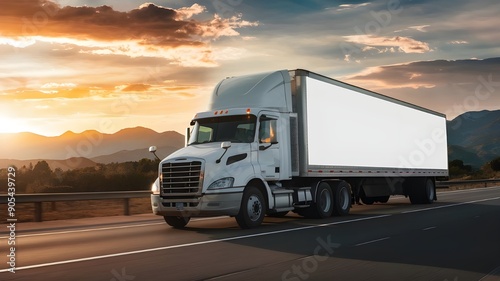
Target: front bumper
x=208, y=205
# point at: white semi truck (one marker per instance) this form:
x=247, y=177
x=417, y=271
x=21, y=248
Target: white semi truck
x=298, y=141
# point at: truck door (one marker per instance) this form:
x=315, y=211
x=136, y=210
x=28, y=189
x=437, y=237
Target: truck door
x=269, y=146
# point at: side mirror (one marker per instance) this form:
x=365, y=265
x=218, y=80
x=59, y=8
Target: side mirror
x=152, y=149
x=225, y=144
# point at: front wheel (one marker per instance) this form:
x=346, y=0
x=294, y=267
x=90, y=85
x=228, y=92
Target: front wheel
x=252, y=209
x=176, y=222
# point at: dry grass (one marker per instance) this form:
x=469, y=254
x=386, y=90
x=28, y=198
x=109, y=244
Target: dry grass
x=25, y=212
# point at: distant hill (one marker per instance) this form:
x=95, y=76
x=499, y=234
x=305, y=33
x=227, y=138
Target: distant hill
x=134, y=155
x=67, y=164
x=474, y=137
x=88, y=144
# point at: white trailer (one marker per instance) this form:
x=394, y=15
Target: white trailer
x=298, y=141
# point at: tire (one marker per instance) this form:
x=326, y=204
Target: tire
x=428, y=192
x=422, y=191
x=252, y=209
x=341, y=199
x=323, y=203
x=176, y=222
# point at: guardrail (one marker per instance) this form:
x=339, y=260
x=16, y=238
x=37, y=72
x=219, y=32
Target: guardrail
x=444, y=184
x=39, y=198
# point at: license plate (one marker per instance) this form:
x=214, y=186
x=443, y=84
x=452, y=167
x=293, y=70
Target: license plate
x=179, y=206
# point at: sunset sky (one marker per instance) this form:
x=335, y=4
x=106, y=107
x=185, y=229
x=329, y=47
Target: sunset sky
x=112, y=64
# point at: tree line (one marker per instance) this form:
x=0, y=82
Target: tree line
x=40, y=178
x=457, y=169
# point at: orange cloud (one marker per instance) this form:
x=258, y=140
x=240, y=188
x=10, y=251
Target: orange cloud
x=149, y=30
x=136, y=88
x=149, y=23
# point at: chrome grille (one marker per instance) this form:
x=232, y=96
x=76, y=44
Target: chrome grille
x=181, y=178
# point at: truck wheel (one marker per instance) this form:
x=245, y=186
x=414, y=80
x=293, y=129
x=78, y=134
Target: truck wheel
x=428, y=192
x=422, y=191
x=341, y=199
x=323, y=205
x=176, y=222
x=253, y=208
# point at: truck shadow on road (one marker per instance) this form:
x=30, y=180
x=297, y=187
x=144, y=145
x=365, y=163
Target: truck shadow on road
x=397, y=237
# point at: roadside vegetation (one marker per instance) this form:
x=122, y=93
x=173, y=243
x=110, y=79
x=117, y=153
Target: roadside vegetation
x=458, y=170
x=138, y=175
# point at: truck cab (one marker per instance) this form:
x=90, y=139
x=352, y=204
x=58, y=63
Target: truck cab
x=242, y=141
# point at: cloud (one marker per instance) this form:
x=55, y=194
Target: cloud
x=149, y=30
x=404, y=44
x=136, y=88
x=188, y=12
x=343, y=7
x=420, y=28
x=448, y=86
x=427, y=74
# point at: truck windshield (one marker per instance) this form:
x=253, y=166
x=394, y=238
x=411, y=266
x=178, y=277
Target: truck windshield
x=238, y=129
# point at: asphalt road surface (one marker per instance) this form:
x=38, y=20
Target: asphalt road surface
x=457, y=238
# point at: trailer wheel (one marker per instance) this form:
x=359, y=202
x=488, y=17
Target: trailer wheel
x=422, y=191
x=428, y=192
x=176, y=222
x=341, y=199
x=253, y=208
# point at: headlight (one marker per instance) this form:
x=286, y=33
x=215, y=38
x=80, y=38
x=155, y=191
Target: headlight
x=155, y=188
x=222, y=183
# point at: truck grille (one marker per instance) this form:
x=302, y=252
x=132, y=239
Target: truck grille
x=181, y=179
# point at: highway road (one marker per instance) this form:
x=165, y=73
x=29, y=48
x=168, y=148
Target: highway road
x=456, y=239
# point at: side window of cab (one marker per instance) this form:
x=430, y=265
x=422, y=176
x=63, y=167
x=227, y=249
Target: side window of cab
x=268, y=131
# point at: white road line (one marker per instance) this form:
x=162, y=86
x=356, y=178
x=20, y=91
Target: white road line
x=451, y=205
x=372, y=241
x=83, y=230
x=193, y=244
x=101, y=228
x=429, y=228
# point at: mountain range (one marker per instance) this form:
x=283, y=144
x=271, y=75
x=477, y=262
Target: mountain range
x=77, y=150
x=473, y=137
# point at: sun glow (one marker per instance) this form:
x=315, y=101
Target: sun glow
x=12, y=125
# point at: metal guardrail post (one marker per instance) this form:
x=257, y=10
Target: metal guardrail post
x=126, y=207
x=38, y=211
